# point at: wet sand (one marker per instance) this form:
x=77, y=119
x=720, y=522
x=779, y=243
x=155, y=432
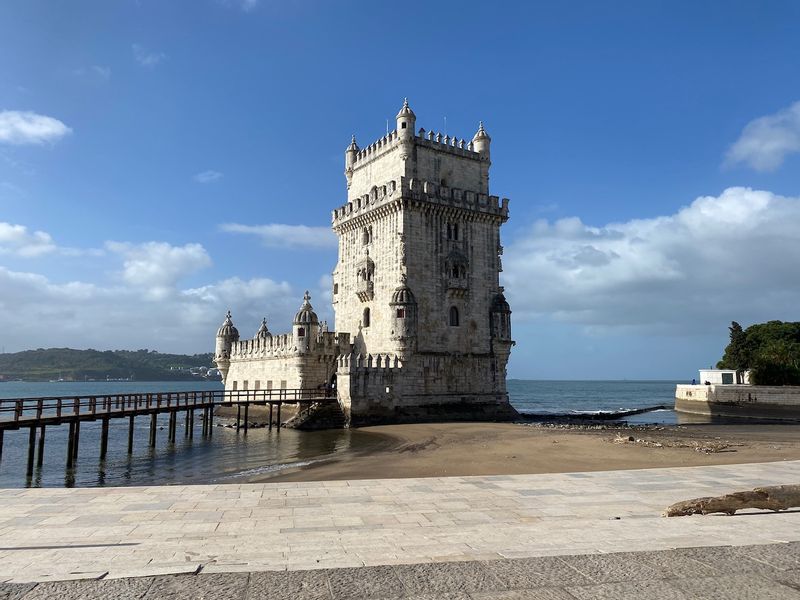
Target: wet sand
x=459, y=449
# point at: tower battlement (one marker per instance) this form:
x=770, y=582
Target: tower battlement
x=422, y=191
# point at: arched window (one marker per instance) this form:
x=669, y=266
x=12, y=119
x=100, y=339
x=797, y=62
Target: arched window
x=365, y=236
x=453, y=316
x=365, y=321
x=301, y=332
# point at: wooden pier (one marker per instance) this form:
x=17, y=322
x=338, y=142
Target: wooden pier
x=37, y=414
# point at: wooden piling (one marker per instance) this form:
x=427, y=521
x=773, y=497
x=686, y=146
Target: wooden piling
x=40, y=457
x=2, y=431
x=31, y=449
x=238, y=416
x=210, y=421
x=246, y=412
x=130, y=434
x=270, y=417
x=153, y=424
x=186, y=424
x=191, y=424
x=70, y=444
x=278, y=424
x=77, y=439
x=104, y=438
x=171, y=427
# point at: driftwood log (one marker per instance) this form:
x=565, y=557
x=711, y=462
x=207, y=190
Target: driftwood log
x=776, y=497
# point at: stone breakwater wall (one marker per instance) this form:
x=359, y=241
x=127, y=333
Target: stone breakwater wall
x=747, y=401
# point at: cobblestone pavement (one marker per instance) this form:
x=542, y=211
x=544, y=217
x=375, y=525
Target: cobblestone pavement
x=60, y=534
x=763, y=572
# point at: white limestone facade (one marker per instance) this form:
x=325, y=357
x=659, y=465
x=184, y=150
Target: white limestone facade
x=423, y=329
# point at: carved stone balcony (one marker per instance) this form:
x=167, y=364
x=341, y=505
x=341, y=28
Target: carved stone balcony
x=365, y=290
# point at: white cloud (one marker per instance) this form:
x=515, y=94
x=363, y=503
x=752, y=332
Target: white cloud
x=765, y=142
x=94, y=71
x=287, y=236
x=734, y=256
x=147, y=58
x=156, y=267
x=16, y=239
x=24, y=127
x=37, y=312
x=208, y=176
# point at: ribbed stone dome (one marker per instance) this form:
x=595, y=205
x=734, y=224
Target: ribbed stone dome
x=306, y=314
x=403, y=294
x=500, y=305
x=263, y=332
x=228, y=330
x=406, y=110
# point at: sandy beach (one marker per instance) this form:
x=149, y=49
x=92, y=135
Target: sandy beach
x=459, y=449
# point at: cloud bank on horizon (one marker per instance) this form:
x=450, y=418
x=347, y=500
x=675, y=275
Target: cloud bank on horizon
x=729, y=257
x=725, y=257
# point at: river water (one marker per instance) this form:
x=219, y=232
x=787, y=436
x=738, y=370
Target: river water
x=229, y=457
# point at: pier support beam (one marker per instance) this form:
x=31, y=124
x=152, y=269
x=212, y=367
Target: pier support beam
x=77, y=440
x=40, y=457
x=190, y=423
x=2, y=432
x=270, y=417
x=31, y=449
x=238, y=416
x=71, y=444
x=246, y=412
x=278, y=425
x=153, y=424
x=104, y=439
x=210, y=421
x=171, y=427
x=130, y=434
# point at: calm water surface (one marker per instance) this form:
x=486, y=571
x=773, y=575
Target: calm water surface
x=228, y=456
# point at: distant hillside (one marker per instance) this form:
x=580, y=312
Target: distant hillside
x=80, y=365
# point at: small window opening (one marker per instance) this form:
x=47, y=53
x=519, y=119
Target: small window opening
x=401, y=313
x=235, y=385
x=365, y=322
x=403, y=125
x=244, y=384
x=257, y=384
x=453, y=316
x=301, y=332
x=335, y=288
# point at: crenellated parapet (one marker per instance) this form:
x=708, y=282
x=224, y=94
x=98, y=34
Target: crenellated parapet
x=362, y=363
x=283, y=346
x=392, y=194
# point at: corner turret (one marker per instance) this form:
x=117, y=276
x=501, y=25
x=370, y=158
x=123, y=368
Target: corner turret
x=263, y=332
x=305, y=328
x=227, y=334
x=481, y=141
x=349, y=160
x=406, y=119
x=403, y=307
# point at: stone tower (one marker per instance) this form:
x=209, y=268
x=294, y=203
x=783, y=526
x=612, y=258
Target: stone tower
x=417, y=280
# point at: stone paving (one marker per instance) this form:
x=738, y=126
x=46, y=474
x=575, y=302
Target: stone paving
x=471, y=523
x=719, y=573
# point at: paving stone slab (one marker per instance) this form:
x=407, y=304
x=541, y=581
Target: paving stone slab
x=629, y=590
x=669, y=564
x=90, y=589
x=365, y=583
x=437, y=578
x=289, y=585
x=14, y=591
x=543, y=593
x=231, y=586
x=735, y=587
x=727, y=560
x=533, y=572
x=780, y=556
x=609, y=568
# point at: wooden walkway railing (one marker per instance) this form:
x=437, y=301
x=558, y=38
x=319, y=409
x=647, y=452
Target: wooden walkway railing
x=38, y=413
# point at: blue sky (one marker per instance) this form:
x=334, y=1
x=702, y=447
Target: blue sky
x=163, y=161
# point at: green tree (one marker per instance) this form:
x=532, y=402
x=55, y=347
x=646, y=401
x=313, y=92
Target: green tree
x=776, y=363
x=737, y=353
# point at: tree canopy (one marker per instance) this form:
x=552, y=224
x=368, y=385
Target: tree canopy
x=770, y=350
